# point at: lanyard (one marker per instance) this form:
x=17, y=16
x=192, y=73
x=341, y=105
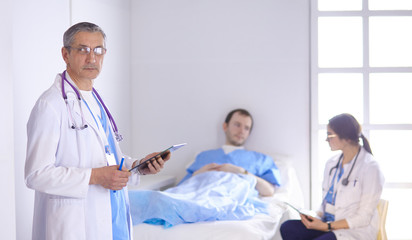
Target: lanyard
x=331, y=195
x=87, y=105
x=111, y=147
x=105, y=133
x=329, y=201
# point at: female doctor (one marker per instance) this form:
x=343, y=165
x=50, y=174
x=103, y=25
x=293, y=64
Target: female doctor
x=73, y=156
x=352, y=187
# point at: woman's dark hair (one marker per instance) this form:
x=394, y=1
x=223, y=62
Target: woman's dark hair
x=347, y=127
x=241, y=111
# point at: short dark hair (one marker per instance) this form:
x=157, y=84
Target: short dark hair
x=241, y=111
x=68, y=37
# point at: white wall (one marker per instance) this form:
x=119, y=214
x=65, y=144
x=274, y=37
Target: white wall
x=7, y=201
x=114, y=81
x=38, y=28
x=193, y=61
x=37, y=39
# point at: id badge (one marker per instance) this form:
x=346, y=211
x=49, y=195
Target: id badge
x=111, y=160
x=329, y=208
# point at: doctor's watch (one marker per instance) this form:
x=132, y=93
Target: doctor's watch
x=329, y=226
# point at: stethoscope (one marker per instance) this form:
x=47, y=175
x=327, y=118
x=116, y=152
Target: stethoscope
x=84, y=125
x=345, y=181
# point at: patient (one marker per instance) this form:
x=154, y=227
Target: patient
x=222, y=184
x=232, y=157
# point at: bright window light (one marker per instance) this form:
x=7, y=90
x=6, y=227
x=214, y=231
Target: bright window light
x=396, y=163
x=340, y=42
x=340, y=93
x=390, y=41
x=390, y=4
x=399, y=209
x=390, y=98
x=340, y=5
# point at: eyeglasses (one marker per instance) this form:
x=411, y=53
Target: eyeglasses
x=330, y=136
x=98, y=51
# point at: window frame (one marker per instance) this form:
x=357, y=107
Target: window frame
x=365, y=70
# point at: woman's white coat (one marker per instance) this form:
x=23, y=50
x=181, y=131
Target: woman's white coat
x=357, y=201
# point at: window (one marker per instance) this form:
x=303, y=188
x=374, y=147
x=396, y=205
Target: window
x=361, y=63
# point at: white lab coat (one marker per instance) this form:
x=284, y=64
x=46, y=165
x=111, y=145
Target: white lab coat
x=58, y=167
x=357, y=202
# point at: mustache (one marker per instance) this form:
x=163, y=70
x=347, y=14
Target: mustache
x=90, y=66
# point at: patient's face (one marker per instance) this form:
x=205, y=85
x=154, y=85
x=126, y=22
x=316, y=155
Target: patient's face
x=238, y=129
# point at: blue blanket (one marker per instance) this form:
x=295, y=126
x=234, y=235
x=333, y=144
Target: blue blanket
x=208, y=196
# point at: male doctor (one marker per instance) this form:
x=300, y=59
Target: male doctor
x=73, y=155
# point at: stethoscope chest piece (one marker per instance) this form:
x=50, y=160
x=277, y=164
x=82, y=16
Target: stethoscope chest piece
x=345, y=181
x=83, y=126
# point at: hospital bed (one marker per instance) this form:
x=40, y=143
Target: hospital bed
x=261, y=226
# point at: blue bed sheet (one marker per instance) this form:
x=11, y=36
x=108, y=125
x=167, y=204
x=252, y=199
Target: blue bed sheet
x=208, y=196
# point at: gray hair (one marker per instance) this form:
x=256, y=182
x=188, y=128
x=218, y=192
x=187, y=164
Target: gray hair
x=68, y=37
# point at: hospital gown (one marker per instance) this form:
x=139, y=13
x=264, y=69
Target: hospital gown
x=256, y=163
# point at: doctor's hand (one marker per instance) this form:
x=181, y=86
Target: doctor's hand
x=110, y=177
x=313, y=223
x=153, y=166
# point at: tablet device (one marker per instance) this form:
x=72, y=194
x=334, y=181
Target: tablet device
x=162, y=154
x=302, y=211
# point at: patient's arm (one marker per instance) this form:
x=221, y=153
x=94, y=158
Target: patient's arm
x=205, y=168
x=262, y=186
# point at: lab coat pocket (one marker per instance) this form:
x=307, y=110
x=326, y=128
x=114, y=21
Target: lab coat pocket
x=66, y=218
x=349, y=195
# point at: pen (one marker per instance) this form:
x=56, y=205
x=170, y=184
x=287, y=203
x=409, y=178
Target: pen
x=121, y=164
x=120, y=167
